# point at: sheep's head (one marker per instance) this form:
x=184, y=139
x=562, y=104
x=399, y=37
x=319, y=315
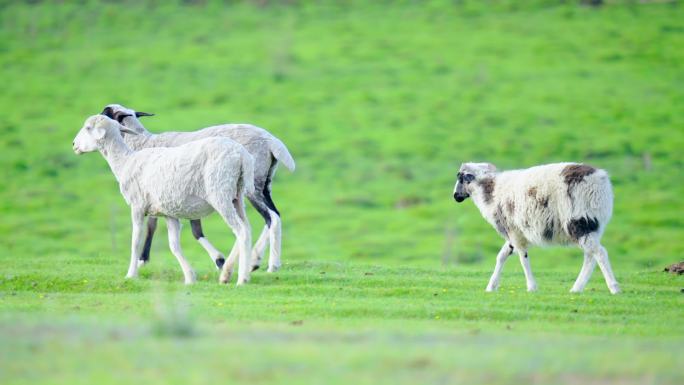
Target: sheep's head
x=95, y=129
x=468, y=177
x=125, y=116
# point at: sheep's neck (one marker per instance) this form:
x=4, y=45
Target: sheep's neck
x=486, y=209
x=115, y=152
x=140, y=141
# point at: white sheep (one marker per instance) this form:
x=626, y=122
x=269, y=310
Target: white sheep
x=561, y=203
x=267, y=151
x=189, y=181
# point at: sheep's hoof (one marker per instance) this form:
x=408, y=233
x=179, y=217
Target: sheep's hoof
x=241, y=281
x=224, y=278
x=220, y=261
x=532, y=289
x=189, y=280
x=142, y=262
x=273, y=269
x=614, y=289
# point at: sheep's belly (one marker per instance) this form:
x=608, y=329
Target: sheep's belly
x=192, y=207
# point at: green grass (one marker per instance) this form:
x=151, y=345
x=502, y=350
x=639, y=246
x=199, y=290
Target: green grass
x=384, y=274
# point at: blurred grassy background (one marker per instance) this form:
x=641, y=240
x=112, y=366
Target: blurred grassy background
x=379, y=102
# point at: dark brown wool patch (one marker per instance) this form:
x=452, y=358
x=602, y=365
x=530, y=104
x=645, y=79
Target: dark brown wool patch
x=577, y=228
x=487, y=189
x=548, y=230
x=500, y=221
x=543, y=201
x=510, y=206
x=575, y=173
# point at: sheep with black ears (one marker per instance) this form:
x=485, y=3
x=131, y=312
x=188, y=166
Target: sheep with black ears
x=561, y=203
x=267, y=151
x=189, y=181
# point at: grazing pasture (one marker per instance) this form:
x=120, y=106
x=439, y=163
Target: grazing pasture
x=383, y=274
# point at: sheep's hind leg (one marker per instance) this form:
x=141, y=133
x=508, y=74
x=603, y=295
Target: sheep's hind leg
x=592, y=246
x=233, y=214
x=174, y=227
x=527, y=269
x=214, y=254
x=257, y=201
x=151, y=227
x=585, y=273
x=275, y=231
x=259, y=248
x=275, y=234
x=501, y=258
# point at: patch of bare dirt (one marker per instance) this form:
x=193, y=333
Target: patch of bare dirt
x=676, y=268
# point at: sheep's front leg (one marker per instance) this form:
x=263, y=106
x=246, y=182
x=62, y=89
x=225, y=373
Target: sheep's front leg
x=174, y=227
x=525, y=262
x=151, y=227
x=501, y=258
x=214, y=254
x=137, y=219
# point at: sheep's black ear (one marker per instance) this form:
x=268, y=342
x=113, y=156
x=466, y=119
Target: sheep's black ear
x=108, y=112
x=120, y=117
x=140, y=113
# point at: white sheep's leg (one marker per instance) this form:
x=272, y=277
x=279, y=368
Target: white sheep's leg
x=527, y=269
x=240, y=226
x=593, y=247
x=174, y=227
x=274, y=237
x=585, y=273
x=214, y=254
x=232, y=257
x=137, y=221
x=259, y=248
x=245, y=242
x=501, y=258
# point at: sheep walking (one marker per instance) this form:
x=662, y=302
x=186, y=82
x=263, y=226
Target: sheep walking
x=189, y=181
x=267, y=151
x=562, y=203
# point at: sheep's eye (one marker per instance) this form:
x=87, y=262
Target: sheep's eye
x=468, y=178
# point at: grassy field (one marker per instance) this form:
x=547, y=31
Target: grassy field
x=384, y=273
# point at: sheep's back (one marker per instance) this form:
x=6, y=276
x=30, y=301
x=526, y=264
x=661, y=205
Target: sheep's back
x=541, y=203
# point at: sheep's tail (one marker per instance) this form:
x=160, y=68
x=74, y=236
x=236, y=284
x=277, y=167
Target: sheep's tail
x=247, y=171
x=280, y=152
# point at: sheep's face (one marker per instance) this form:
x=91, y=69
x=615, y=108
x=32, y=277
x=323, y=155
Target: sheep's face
x=468, y=175
x=125, y=116
x=94, y=131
